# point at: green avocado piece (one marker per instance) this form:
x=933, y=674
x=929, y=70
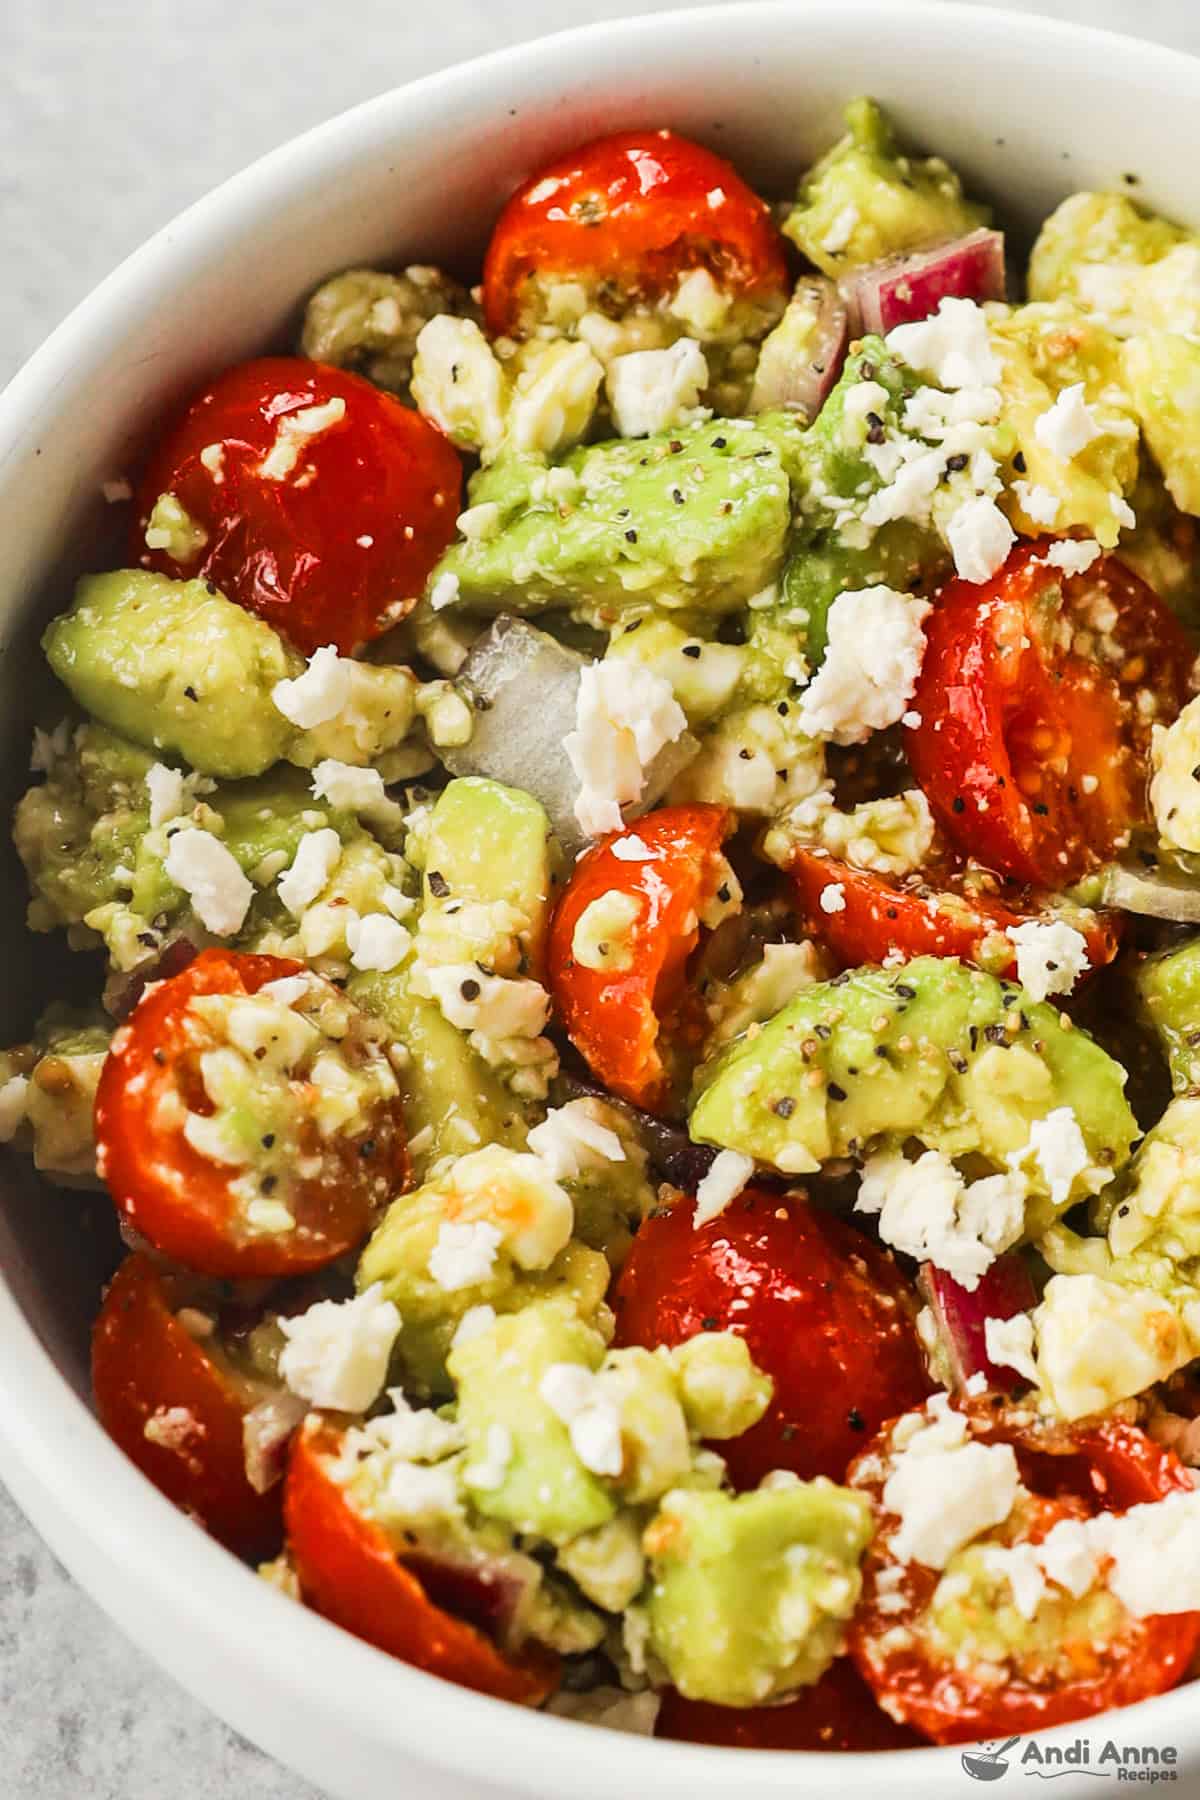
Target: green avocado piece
x=697, y=519
x=177, y=668
x=1104, y=251
x=1162, y=373
x=1169, y=987
x=545, y=1490
x=830, y=556
x=749, y=1593
x=870, y=201
x=452, y=1100
x=1154, y=1209
x=491, y=844
x=75, y=830
x=931, y=1050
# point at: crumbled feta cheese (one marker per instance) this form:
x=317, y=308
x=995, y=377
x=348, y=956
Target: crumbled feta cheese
x=444, y=591
x=1068, y=426
x=317, y=856
x=1051, y=956
x=482, y=522
x=1009, y=1344
x=892, y=836
x=658, y=390
x=833, y=897
x=416, y=1493
x=632, y=849
x=1041, y=504
x=13, y=1095
x=572, y=1140
x=212, y=457
x=1057, y=1146
x=172, y=528
x=574, y=1395
x=474, y=1322
x=841, y=231
x=700, y=304
x=489, y=1474
x=951, y=347
x=464, y=1254
x=603, y=935
x=211, y=876
x=320, y=693
x=414, y=1435
x=928, y=1211
x=295, y=431
x=1155, y=1551
x=624, y=715
x=1123, y=512
x=1074, y=556
x=724, y=1182
x=166, y=793
x=377, y=942
x=980, y=537
x=337, y=1352
x=944, y=1497
x=358, y=790
x=552, y=401
x=48, y=746
x=874, y=653
x=1099, y=1342
x=498, y=1006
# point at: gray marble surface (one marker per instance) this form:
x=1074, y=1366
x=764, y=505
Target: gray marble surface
x=112, y=118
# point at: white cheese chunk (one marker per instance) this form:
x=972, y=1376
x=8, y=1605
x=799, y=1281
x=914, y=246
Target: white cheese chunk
x=1068, y=426
x=295, y=432
x=464, y=1254
x=211, y=876
x=377, y=942
x=722, y=1185
x=651, y=391
x=876, y=644
x=1057, y=1146
x=337, y=1352
x=317, y=856
x=320, y=693
x=574, y=1395
x=358, y=790
x=1051, y=956
x=951, y=347
x=944, y=1498
x=980, y=538
x=624, y=715
x=1074, y=556
x=927, y=1210
x=573, y=1139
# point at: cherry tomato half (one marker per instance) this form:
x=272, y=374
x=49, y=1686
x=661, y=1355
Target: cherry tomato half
x=825, y=1312
x=1036, y=699
x=349, y=1570
x=837, y=1713
x=629, y=214
x=1071, y=1474
x=628, y=1019
x=178, y=1411
x=304, y=1199
x=881, y=916
x=323, y=502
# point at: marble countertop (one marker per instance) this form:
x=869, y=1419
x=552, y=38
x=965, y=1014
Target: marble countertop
x=114, y=118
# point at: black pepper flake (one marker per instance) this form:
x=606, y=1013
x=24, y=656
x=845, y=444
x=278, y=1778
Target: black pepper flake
x=957, y=1061
x=891, y=912
x=677, y=496
x=956, y=462
x=855, y=1420
x=785, y=1107
x=692, y=650
x=719, y=443
x=636, y=626
x=160, y=1057
x=189, y=693
x=958, y=804
x=875, y=433
x=439, y=887
x=631, y=536
x=904, y=991
x=367, y=1149
x=835, y=1092
x=746, y=755
x=675, y=446
x=708, y=1323
x=824, y=1032
x=269, y=1183
x=268, y=1140
x=995, y=1034
x=783, y=709
x=1041, y=809
x=1019, y=463
x=469, y=989
x=723, y=893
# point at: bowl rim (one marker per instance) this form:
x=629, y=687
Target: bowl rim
x=45, y=1426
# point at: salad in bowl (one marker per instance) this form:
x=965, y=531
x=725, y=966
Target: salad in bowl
x=632, y=835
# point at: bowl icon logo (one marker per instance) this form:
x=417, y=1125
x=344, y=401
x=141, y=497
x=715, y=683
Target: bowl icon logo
x=988, y=1765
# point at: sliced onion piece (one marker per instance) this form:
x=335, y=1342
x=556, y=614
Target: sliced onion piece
x=802, y=358
x=523, y=686
x=266, y=1433
x=904, y=288
x=1004, y=1290
x=1155, y=893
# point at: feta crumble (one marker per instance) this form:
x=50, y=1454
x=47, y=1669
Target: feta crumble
x=464, y=1254
x=575, y=1396
x=211, y=876
x=624, y=715
x=1040, y=503
x=724, y=1182
x=833, y=897
x=337, y=1352
x=927, y=1210
x=945, y=1491
x=980, y=538
x=572, y=1140
x=317, y=856
x=320, y=693
x=295, y=432
x=951, y=347
x=1074, y=556
x=377, y=942
x=651, y=391
x=1051, y=956
x=876, y=644
x=343, y=785
x=1068, y=426
x=1057, y=1146
x=632, y=849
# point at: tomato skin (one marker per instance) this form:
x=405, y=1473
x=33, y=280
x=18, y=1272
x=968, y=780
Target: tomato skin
x=881, y=916
x=349, y=1572
x=632, y=210
x=1108, y=1467
x=143, y=1363
x=1032, y=754
x=836, y=1713
x=337, y=549
x=620, y=1020
x=824, y=1311
x=177, y=1198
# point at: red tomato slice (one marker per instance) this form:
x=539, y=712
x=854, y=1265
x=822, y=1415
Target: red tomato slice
x=328, y=528
x=627, y=1021
x=196, y=1209
x=836, y=1713
x=177, y=1411
x=1073, y=1473
x=350, y=1572
x=630, y=214
x=1036, y=699
x=825, y=1312
x=881, y=917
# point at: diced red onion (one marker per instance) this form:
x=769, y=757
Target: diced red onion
x=124, y=990
x=1156, y=894
x=490, y=1593
x=1004, y=1290
x=799, y=376
x=904, y=288
x=266, y=1432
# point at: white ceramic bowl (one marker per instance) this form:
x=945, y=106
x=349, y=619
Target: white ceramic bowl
x=1028, y=109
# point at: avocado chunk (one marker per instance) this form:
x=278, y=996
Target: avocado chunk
x=1162, y=373
x=1169, y=987
x=865, y=200
x=696, y=520
x=177, y=668
x=491, y=1230
x=546, y=1491
x=489, y=845
x=932, y=1050
x=1108, y=254
x=749, y=1593
x=369, y=320
x=56, y=1076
